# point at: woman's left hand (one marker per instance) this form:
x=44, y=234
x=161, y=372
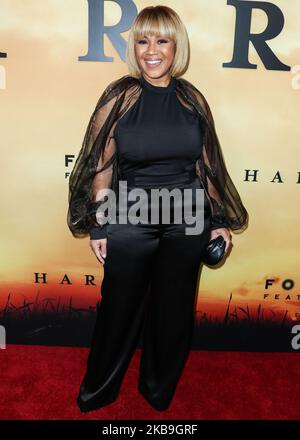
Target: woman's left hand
x=225, y=234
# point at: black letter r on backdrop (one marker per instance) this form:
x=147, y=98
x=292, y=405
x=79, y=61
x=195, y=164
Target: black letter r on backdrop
x=243, y=35
x=97, y=29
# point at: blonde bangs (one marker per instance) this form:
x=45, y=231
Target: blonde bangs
x=165, y=22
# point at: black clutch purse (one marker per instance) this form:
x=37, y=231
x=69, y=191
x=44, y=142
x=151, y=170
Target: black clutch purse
x=214, y=251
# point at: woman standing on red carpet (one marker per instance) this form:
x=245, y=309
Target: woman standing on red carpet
x=150, y=129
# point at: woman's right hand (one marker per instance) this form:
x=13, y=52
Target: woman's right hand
x=99, y=249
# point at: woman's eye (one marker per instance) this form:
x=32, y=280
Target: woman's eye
x=144, y=41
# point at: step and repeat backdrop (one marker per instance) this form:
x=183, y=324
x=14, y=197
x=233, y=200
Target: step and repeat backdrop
x=56, y=58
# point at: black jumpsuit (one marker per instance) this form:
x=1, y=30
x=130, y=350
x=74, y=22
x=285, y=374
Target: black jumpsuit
x=151, y=270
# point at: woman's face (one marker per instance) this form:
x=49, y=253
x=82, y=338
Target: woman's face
x=155, y=56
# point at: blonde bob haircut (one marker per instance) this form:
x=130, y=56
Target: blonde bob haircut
x=159, y=21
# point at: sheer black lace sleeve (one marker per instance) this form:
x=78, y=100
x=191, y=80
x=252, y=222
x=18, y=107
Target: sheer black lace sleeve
x=93, y=171
x=227, y=209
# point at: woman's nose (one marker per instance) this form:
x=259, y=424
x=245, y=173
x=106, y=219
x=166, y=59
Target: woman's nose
x=152, y=47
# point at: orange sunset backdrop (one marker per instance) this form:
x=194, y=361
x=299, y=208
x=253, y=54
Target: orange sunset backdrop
x=47, y=97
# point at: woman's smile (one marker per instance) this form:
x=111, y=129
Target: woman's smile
x=154, y=63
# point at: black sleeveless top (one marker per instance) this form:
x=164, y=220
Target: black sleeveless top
x=157, y=136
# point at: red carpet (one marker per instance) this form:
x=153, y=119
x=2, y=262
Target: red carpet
x=41, y=382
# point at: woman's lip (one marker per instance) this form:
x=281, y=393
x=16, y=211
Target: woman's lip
x=154, y=64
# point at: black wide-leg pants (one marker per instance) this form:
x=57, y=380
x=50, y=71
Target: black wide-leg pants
x=150, y=283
